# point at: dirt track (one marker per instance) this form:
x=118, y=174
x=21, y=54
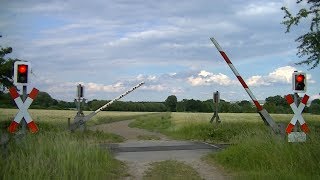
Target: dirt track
x=138, y=162
x=121, y=128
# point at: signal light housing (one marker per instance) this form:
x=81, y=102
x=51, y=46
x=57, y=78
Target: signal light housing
x=299, y=82
x=22, y=72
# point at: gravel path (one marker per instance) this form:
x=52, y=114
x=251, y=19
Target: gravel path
x=138, y=162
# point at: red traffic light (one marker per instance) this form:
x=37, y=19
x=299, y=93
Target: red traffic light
x=22, y=68
x=300, y=78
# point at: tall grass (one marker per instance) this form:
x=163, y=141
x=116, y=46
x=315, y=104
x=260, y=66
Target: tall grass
x=50, y=155
x=268, y=156
x=55, y=153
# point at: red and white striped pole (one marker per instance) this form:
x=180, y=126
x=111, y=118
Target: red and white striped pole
x=264, y=113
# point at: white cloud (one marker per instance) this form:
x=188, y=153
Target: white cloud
x=281, y=75
x=142, y=77
x=256, y=81
x=94, y=87
x=157, y=87
x=260, y=9
x=204, y=73
x=207, y=78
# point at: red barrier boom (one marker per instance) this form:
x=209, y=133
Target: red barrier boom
x=263, y=113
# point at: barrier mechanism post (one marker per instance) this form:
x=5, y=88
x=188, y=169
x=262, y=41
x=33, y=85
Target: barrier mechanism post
x=216, y=100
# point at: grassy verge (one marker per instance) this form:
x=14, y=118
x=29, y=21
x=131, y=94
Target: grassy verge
x=256, y=152
x=55, y=153
x=50, y=155
x=266, y=156
x=170, y=169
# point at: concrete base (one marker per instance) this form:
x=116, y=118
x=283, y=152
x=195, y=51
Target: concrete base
x=297, y=137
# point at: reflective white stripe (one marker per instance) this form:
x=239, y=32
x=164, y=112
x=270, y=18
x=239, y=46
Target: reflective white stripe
x=234, y=70
x=216, y=44
x=250, y=94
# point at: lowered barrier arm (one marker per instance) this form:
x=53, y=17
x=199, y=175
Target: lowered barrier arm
x=80, y=120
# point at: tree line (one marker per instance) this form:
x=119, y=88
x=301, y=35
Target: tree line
x=274, y=104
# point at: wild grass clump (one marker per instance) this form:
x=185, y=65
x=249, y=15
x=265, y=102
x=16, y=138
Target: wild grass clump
x=268, y=156
x=62, y=155
x=171, y=169
x=216, y=133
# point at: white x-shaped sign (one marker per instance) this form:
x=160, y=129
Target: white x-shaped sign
x=297, y=114
x=23, y=110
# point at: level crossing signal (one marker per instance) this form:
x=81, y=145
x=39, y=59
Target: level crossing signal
x=299, y=82
x=22, y=71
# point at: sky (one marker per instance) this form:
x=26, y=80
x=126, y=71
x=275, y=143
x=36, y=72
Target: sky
x=110, y=46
